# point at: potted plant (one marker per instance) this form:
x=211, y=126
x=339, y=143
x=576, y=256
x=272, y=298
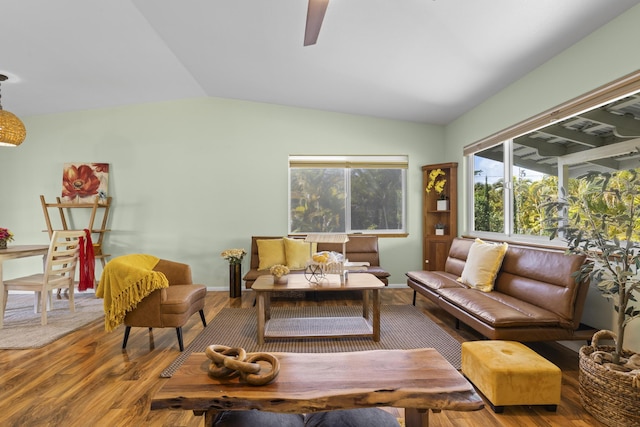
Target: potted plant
x=601, y=219
x=439, y=229
x=5, y=236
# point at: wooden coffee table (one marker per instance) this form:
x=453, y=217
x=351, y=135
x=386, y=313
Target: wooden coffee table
x=318, y=327
x=417, y=380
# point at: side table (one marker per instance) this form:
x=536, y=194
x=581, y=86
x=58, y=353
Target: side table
x=235, y=280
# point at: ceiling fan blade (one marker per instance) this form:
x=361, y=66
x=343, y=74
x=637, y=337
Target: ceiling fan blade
x=315, y=15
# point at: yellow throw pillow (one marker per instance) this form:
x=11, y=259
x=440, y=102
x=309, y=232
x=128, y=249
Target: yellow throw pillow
x=483, y=262
x=270, y=253
x=298, y=252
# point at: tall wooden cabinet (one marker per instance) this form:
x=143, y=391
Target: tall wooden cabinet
x=439, y=212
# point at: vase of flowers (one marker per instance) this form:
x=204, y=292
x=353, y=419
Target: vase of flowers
x=439, y=229
x=5, y=236
x=437, y=183
x=277, y=271
x=234, y=256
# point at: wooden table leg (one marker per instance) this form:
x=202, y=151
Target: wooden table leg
x=267, y=306
x=261, y=316
x=209, y=417
x=376, y=315
x=416, y=417
x=365, y=304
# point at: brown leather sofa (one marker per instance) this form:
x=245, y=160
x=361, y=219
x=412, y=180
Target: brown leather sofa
x=169, y=307
x=359, y=248
x=535, y=297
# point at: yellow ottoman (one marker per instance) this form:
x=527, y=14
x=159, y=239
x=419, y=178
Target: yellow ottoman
x=510, y=373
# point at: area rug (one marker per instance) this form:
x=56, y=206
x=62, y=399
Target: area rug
x=22, y=328
x=401, y=327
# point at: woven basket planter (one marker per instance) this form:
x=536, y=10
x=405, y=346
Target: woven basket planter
x=610, y=396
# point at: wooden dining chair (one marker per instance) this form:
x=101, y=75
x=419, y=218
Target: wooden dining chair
x=59, y=272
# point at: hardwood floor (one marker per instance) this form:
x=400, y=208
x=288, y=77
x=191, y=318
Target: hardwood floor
x=86, y=379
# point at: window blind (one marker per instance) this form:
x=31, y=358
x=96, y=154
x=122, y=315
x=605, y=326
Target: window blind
x=350, y=162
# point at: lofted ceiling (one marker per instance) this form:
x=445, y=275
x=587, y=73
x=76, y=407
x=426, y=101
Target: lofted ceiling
x=417, y=60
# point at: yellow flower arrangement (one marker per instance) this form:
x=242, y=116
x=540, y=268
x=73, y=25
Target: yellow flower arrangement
x=279, y=270
x=437, y=181
x=234, y=256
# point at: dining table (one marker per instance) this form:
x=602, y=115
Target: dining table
x=13, y=252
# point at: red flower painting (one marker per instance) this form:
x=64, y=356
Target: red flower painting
x=83, y=182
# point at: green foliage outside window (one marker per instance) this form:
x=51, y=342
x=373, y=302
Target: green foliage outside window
x=317, y=201
x=529, y=216
x=324, y=200
x=528, y=195
x=489, y=206
x=376, y=199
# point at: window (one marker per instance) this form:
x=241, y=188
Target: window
x=512, y=173
x=347, y=194
x=508, y=191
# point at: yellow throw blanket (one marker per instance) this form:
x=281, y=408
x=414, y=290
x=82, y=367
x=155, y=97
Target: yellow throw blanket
x=125, y=281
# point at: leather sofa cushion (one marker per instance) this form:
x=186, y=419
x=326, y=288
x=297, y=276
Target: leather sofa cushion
x=457, y=256
x=542, y=265
x=376, y=270
x=180, y=298
x=435, y=280
x=497, y=309
x=542, y=278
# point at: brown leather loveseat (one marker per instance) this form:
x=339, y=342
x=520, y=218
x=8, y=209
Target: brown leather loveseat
x=535, y=297
x=360, y=248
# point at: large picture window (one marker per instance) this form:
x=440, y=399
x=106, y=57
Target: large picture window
x=347, y=194
x=511, y=178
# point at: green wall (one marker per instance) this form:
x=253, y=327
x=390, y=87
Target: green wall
x=191, y=178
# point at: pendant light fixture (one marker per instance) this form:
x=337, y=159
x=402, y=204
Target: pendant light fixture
x=12, y=130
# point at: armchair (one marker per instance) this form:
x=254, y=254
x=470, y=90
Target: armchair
x=169, y=307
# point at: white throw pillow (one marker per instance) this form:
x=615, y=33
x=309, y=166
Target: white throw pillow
x=483, y=262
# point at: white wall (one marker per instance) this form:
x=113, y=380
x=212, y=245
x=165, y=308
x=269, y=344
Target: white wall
x=191, y=178
x=600, y=58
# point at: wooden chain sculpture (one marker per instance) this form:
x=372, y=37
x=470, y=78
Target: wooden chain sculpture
x=232, y=361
